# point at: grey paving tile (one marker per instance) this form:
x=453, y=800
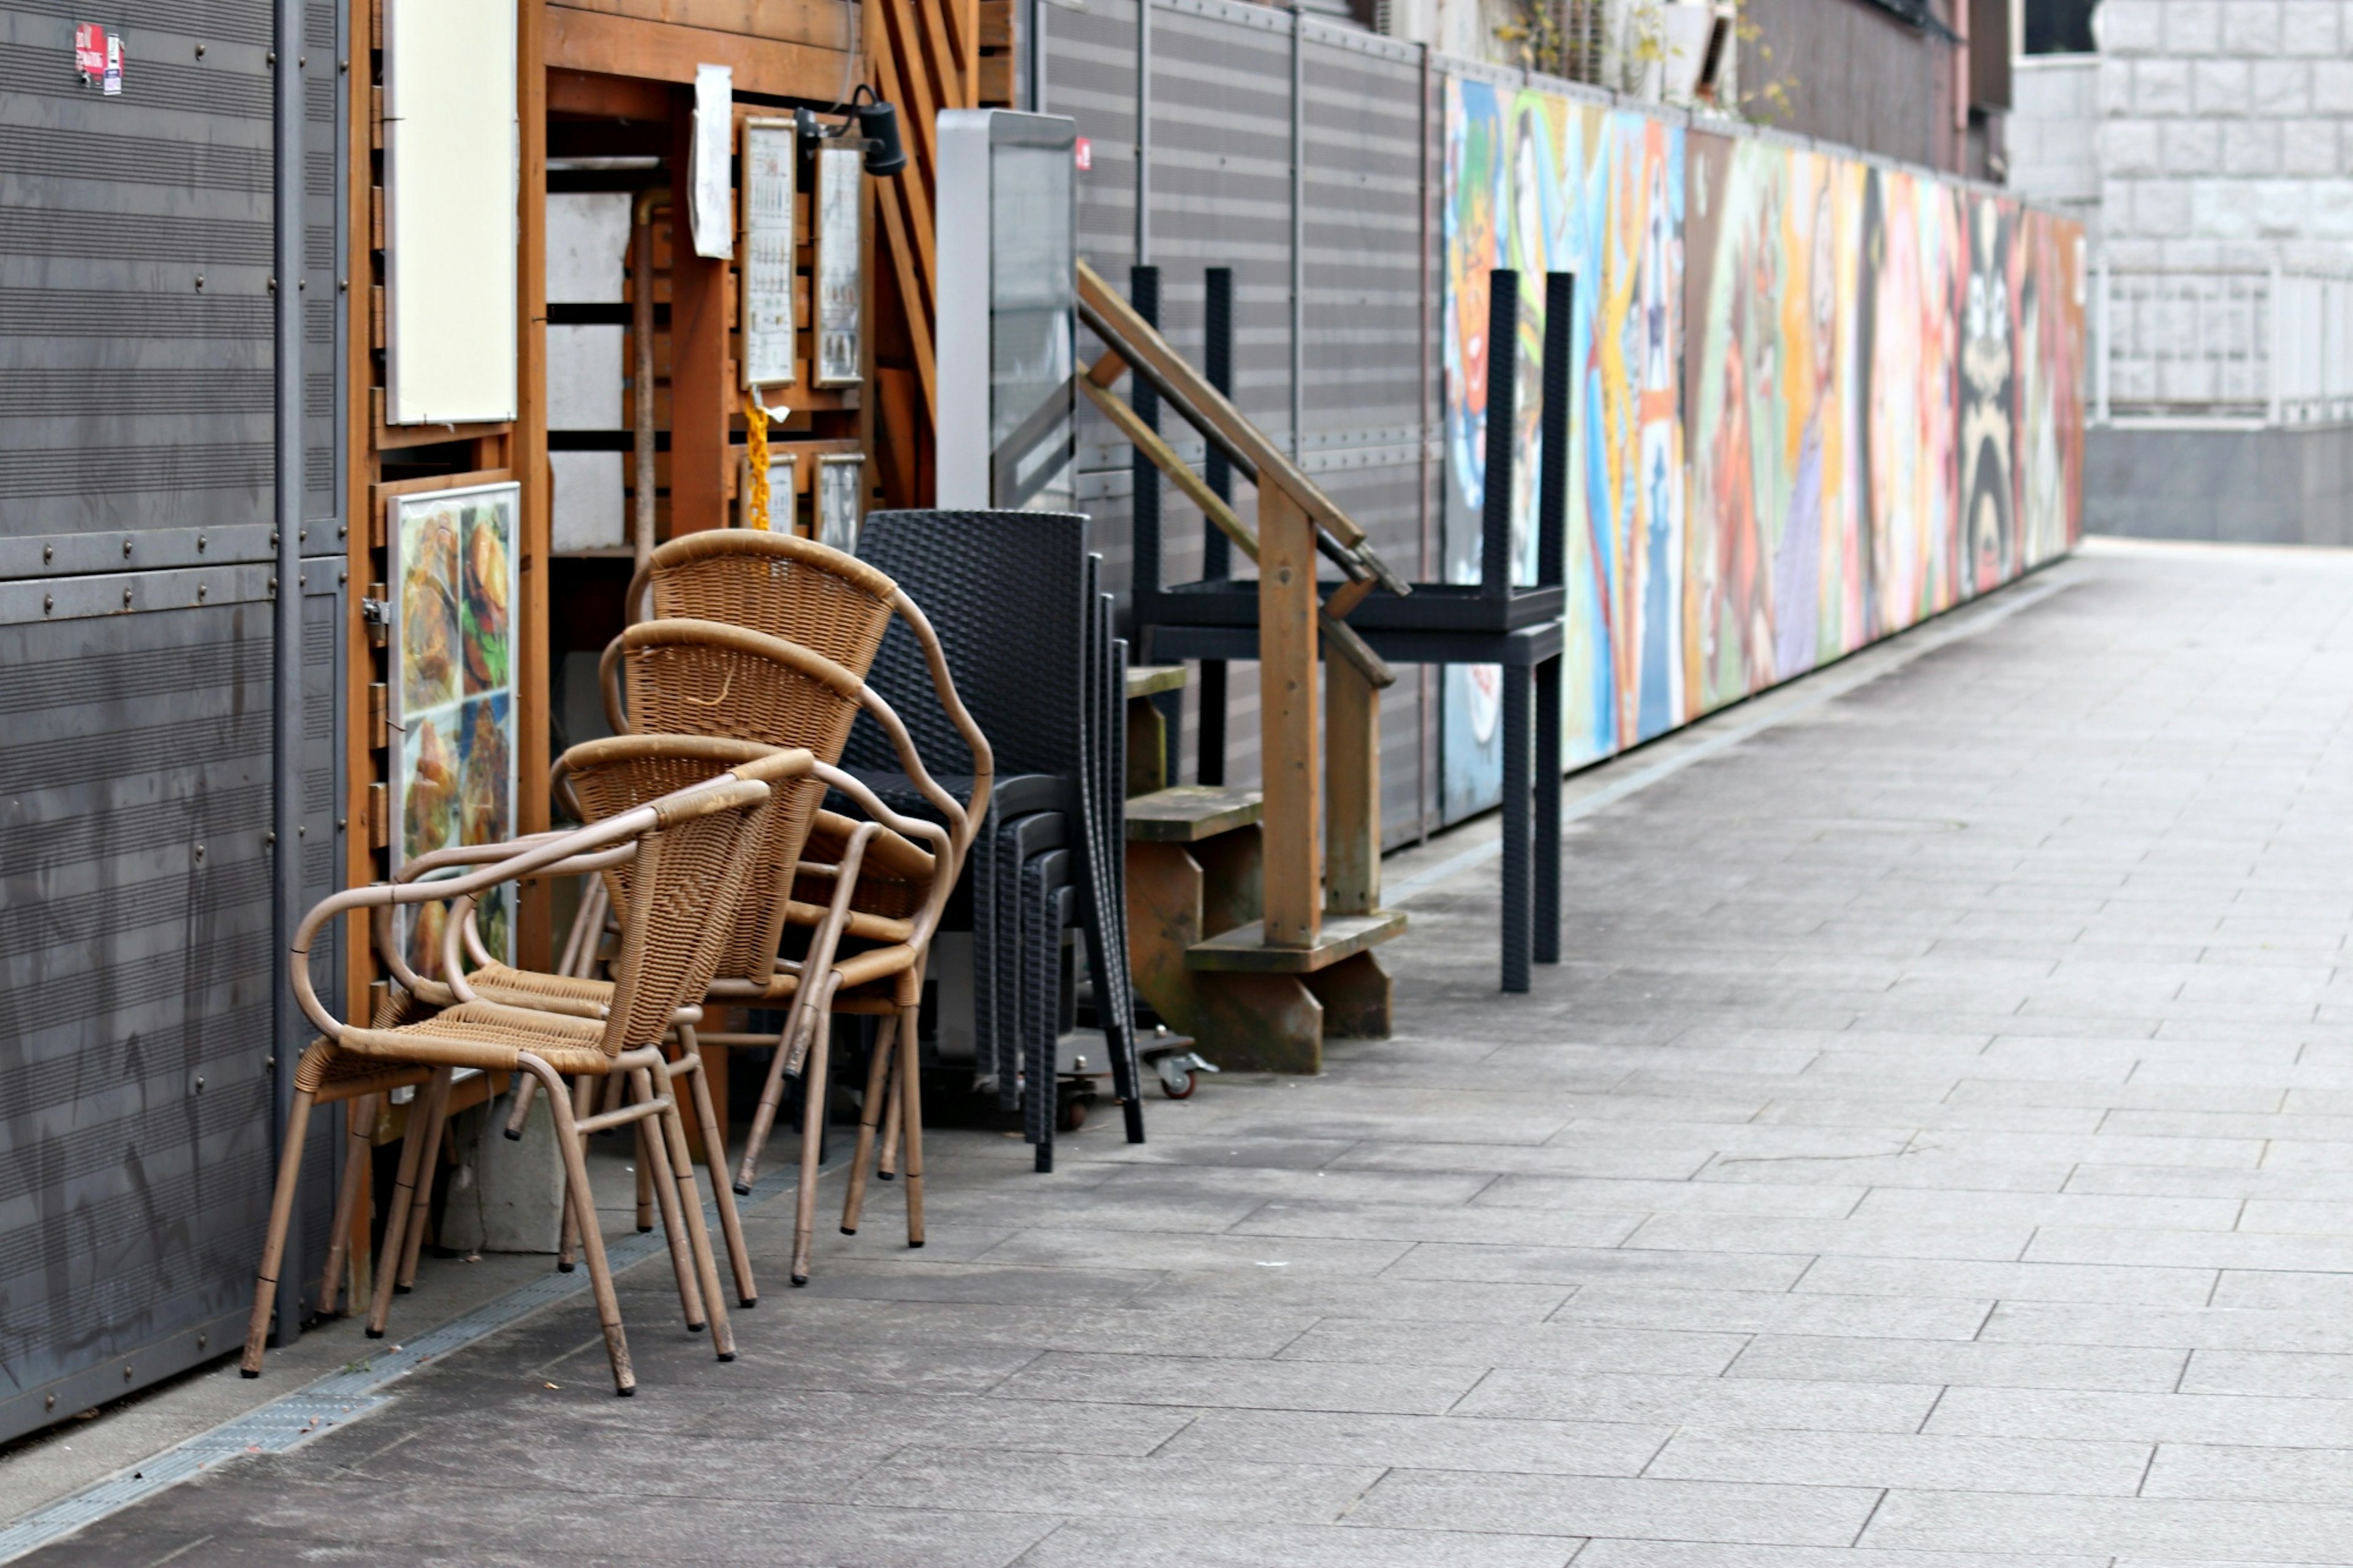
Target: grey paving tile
x=1552, y=1346
x=1575, y=1265
x=2250, y=1474
x=1955, y=1235
x=1706, y=1554
x=1795, y=1516
x=1093, y=1543
x=2114, y=1283
x=1342, y=1296
x=2226, y=1419
x=1423, y=1442
x=1775, y=1312
x=1195, y=1487
x=2191, y=1249
x=1164, y=1249
x=1903, y=1459
x=2290, y=1373
x=1603, y=1194
x=1211, y=1383
x=1421, y=1222
x=2210, y=1328
x=2162, y=1527
x=1973, y=1365
x=1827, y=1406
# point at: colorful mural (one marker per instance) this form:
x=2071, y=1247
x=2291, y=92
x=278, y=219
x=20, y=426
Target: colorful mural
x=1815, y=401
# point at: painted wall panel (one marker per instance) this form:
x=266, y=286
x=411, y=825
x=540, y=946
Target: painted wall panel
x=1816, y=400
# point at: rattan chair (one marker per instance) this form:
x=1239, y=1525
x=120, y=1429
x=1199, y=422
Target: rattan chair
x=688, y=855
x=686, y=677
x=831, y=602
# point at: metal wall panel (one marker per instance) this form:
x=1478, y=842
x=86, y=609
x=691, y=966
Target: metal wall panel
x=136, y=967
x=1290, y=150
x=137, y=963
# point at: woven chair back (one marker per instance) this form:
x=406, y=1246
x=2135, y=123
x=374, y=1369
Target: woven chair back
x=700, y=677
x=828, y=602
x=690, y=879
x=604, y=778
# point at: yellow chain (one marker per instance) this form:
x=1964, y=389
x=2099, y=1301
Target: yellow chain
x=755, y=428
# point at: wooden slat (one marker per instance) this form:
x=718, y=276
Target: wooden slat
x=1290, y=720
x=822, y=23
x=626, y=45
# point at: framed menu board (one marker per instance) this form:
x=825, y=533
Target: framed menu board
x=767, y=315
x=452, y=704
x=840, y=199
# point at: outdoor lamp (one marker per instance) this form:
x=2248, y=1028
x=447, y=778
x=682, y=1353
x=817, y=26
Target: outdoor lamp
x=878, y=127
x=879, y=123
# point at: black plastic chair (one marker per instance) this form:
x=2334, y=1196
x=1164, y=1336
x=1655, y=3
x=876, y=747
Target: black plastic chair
x=1013, y=597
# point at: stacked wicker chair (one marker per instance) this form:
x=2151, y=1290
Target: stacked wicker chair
x=687, y=855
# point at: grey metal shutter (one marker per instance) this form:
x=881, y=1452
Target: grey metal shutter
x=137, y=963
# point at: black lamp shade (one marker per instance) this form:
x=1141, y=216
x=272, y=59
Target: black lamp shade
x=878, y=123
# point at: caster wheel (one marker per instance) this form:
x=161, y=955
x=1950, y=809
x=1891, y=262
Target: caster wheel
x=1073, y=1116
x=1175, y=1090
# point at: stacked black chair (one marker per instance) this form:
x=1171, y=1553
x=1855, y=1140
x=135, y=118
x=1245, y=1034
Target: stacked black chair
x=1027, y=632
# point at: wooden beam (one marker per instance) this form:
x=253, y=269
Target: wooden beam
x=700, y=401
x=527, y=456
x=1290, y=720
x=1352, y=780
x=595, y=97
x=824, y=23
x=627, y=46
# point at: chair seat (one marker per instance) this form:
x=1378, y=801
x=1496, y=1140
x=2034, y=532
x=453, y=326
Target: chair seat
x=487, y=1034
x=549, y=993
x=332, y=1075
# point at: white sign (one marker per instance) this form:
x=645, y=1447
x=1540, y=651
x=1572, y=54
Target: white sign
x=710, y=213
x=770, y=147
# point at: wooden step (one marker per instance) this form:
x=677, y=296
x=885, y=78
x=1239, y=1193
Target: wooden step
x=1150, y=679
x=1185, y=814
x=1243, y=950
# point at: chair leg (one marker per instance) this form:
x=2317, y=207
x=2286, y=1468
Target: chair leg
x=273, y=1243
x=813, y=1082
x=715, y=1151
x=669, y=1128
x=583, y=1206
x=429, y=1165
x=358, y=1116
x=653, y=1160
x=396, y=1215
x=645, y=1174
x=886, y=1164
x=911, y=1101
x=878, y=1075
x=567, y=1246
x=772, y=1094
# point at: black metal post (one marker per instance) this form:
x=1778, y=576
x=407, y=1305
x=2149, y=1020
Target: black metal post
x=1503, y=413
x=1518, y=796
x=1217, y=551
x=286, y=734
x=1144, y=293
x=1551, y=570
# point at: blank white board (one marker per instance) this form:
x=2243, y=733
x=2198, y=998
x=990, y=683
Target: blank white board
x=451, y=145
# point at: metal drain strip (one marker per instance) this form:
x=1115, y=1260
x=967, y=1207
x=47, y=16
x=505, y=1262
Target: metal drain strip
x=343, y=1396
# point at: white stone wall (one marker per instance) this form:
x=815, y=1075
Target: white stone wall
x=2054, y=133
x=2226, y=131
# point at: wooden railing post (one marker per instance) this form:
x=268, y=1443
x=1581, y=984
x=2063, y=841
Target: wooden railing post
x=1352, y=813
x=1289, y=720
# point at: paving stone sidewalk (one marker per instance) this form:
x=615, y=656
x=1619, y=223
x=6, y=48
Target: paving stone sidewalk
x=1935, y=1153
